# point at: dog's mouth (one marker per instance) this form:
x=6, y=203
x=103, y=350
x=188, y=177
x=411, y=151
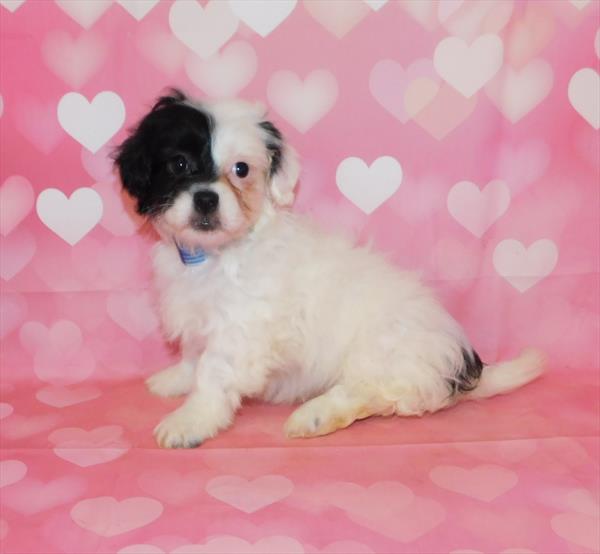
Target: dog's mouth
x=205, y=223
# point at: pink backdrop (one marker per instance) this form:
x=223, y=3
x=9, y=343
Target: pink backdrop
x=460, y=137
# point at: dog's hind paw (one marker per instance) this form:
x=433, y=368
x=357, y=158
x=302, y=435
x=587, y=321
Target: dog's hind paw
x=312, y=419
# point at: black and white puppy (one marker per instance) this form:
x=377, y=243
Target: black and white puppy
x=265, y=305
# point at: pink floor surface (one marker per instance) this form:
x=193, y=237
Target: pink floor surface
x=516, y=474
x=474, y=125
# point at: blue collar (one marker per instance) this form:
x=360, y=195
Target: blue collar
x=191, y=257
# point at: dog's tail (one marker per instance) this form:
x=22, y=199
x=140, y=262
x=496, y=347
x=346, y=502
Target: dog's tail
x=503, y=377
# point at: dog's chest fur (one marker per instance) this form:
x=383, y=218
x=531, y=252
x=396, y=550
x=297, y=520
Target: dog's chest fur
x=270, y=297
x=209, y=299
x=298, y=304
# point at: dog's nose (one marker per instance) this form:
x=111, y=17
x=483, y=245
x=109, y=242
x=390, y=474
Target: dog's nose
x=206, y=201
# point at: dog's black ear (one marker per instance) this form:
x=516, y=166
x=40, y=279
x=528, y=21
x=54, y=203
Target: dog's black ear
x=175, y=96
x=285, y=168
x=274, y=142
x=134, y=164
x=133, y=158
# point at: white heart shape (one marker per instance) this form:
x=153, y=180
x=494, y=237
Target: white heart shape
x=5, y=410
x=375, y=5
x=62, y=397
x=20, y=426
x=17, y=251
x=368, y=187
x=222, y=544
x=262, y=16
x=404, y=92
x=524, y=267
x=583, y=501
x=89, y=448
x=118, y=215
x=74, y=60
x=162, y=49
x=63, y=335
x=465, y=67
x=99, y=166
x=70, y=218
x=476, y=210
x=422, y=11
x=11, y=471
x=141, y=549
x=522, y=164
x=584, y=92
x=85, y=13
x=33, y=496
x=60, y=356
x=250, y=496
x=516, y=93
x=12, y=5
x=16, y=201
x=471, y=18
x=91, y=124
x=579, y=529
x=202, y=30
x=448, y=8
x=13, y=313
x=580, y=4
x=36, y=121
x=276, y=544
x=226, y=73
x=484, y=482
x=132, y=312
x=106, y=516
x=302, y=103
x=386, y=507
x=138, y=8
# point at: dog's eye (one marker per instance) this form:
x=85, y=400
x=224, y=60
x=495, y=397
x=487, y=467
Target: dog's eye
x=178, y=165
x=241, y=169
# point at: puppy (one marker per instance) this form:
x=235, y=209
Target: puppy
x=264, y=305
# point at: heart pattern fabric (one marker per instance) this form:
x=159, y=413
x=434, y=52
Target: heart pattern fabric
x=91, y=123
x=459, y=138
x=440, y=94
x=368, y=187
x=106, y=516
x=70, y=218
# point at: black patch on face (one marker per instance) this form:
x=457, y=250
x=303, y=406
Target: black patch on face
x=468, y=376
x=274, y=145
x=149, y=159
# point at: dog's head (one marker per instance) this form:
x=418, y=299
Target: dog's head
x=205, y=172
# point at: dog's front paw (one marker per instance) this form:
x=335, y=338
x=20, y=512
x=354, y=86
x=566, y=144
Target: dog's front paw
x=180, y=429
x=173, y=381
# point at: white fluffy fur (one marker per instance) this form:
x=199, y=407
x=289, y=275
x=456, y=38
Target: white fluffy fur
x=286, y=313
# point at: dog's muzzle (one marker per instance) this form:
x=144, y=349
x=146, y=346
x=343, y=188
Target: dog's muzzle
x=206, y=217
x=206, y=202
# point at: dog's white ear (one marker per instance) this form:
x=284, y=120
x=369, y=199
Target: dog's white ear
x=284, y=180
x=285, y=167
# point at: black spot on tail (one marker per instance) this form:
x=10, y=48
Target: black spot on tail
x=469, y=373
